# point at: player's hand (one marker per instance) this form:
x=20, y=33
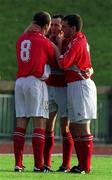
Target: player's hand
x=89, y=72
x=59, y=40
x=57, y=51
x=60, y=37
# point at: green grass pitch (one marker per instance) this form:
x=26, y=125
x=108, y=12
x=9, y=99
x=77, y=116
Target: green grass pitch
x=101, y=169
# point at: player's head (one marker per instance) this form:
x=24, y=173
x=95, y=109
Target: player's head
x=71, y=24
x=42, y=19
x=56, y=25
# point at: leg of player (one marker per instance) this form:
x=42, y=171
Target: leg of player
x=67, y=145
x=49, y=141
x=83, y=142
x=38, y=142
x=19, y=140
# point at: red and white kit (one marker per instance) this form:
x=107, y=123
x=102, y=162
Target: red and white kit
x=31, y=95
x=57, y=88
x=81, y=91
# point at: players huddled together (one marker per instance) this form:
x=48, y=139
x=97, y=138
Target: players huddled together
x=55, y=77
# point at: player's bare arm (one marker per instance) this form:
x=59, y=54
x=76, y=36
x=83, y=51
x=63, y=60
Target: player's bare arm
x=57, y=51
x=32, y=27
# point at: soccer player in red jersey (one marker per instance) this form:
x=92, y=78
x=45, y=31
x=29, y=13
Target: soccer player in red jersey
x=57, y=92
x=34, y=55
x=81, y=91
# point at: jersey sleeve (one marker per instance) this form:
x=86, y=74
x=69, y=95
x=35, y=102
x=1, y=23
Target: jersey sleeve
x=51, y=55
x=70, y=57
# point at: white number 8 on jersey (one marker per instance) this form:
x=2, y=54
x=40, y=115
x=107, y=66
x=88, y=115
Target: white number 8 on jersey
x=25, y=50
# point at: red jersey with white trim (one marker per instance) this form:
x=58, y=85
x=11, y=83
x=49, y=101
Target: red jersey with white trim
x=57, y=77
x=77, y=58
x=34, y=51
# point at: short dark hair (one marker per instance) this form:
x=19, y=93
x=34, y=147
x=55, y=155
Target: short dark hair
x=74, y=20
x=58, y=16
x=42, y=18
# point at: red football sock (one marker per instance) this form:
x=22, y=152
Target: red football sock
x=38, y=141
x=67, y=149
x=19, y=140
x=86, y=145
x=77, y=149
x=49, y=144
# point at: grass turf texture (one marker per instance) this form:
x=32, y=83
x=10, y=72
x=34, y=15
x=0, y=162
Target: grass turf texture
x=101, y=169
x=16, y=15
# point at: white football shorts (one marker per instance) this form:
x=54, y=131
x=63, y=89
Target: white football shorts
x=31, y=97
x=82, y=100
x=58, y=100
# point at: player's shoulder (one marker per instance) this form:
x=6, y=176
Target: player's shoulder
x=80, y=36
x=21, y=37
x=79, y=39
x=47, y=41
x=41, y=37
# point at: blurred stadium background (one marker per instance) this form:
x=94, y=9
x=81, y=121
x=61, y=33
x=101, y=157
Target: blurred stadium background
x=16, y=15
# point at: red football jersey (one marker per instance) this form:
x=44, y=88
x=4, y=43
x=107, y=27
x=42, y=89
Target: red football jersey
x=57, y=77
x=76, y=59
x=34, y=50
